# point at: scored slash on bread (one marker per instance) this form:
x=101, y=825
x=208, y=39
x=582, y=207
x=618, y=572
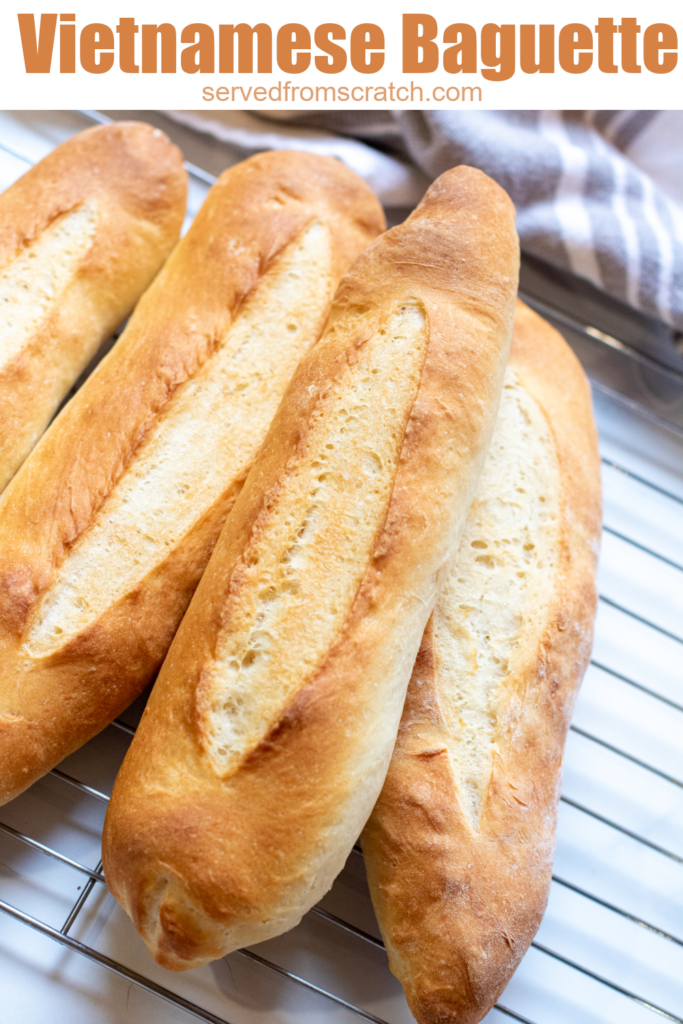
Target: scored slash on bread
x=108, y=526
x=268, y=733
x=82, y=234
x=459, y=847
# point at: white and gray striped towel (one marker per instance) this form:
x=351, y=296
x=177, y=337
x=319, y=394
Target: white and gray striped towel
x=599, y=193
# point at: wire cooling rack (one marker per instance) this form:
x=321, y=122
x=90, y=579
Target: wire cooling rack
x=610, y=948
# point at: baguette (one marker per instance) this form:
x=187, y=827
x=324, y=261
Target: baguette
x=267, y=736
x=107, y=528
x=82, y=234
x=459, y=847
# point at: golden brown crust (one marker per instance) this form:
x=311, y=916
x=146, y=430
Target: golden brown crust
x=201, y=863
x=136, y=179
x=52, y=705
x=458, y=908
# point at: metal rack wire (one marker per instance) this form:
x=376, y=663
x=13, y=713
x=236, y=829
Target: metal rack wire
x=93, y=875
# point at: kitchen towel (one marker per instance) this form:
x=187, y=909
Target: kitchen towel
x=599, y=193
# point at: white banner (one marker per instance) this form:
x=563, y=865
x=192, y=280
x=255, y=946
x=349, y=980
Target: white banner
x=346, y=54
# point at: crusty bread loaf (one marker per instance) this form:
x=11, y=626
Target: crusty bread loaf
x=459, y=847
x=107, y=528
x=270, y=728
x=82, y=234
